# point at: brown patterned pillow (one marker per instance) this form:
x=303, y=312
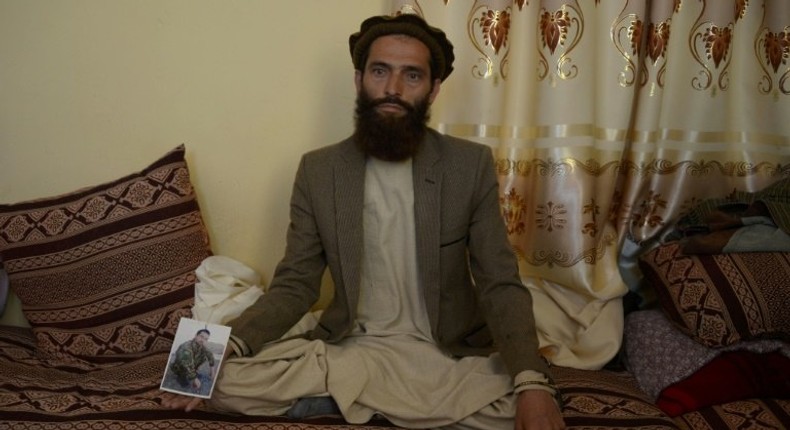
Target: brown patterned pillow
x=105, y=273
x=721, y=299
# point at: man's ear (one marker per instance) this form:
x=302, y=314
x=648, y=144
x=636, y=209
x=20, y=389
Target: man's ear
x=358, y=80
x=437, y=83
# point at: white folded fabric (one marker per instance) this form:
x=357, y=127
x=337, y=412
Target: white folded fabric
x=224, y=289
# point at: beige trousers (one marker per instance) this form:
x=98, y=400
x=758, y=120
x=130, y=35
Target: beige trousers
x=408, y=381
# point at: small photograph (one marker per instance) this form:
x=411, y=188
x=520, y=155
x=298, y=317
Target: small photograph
x=194, y=361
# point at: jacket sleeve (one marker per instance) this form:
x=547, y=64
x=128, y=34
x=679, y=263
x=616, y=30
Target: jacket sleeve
x=505, y=301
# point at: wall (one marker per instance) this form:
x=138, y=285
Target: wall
x=93, y=89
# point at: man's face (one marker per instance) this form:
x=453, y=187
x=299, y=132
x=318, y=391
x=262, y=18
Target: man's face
x=202, y=338
x=397, y=72
x=394, y=94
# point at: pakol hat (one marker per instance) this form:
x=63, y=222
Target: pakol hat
x=442, y=56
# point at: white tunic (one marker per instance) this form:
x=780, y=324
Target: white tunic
x=391, y=301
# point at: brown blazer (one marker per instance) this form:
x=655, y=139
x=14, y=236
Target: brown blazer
x=466, y=265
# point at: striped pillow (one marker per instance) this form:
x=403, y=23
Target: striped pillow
x=722, y=299
x=105, y=273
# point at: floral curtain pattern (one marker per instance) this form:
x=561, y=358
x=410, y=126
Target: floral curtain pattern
x=609, y=119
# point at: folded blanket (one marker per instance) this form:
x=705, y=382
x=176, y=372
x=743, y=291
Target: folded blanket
x=727, y=224
x=772, y=201
x=737, y=233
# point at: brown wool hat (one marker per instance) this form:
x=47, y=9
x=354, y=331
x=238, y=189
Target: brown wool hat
x=442, y=56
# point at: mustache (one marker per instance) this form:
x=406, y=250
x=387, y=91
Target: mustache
x=392, y=100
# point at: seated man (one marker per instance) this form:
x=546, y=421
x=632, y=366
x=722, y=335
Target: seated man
x=430, y=325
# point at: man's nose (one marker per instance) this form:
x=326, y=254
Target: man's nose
x=394, y=86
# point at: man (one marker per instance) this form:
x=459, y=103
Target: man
x=189, y=356
x=408, y=223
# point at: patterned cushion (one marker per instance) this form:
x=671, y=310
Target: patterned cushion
x=606, y=399
x=721, y=299
x=754, y=414
x=105, y=273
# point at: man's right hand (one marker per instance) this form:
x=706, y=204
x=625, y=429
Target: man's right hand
x=178, y=401
x=187, y=403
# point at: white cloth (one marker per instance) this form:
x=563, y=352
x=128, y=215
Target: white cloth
x=224, y=289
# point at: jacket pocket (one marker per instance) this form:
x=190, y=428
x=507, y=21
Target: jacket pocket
x=453, y=236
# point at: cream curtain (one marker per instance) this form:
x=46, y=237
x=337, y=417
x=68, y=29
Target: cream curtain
x=609, y=119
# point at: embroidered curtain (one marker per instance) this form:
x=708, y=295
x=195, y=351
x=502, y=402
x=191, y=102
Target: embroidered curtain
x=609, y=119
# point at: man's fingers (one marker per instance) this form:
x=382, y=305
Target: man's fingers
x=174, y=401
x=192, y=404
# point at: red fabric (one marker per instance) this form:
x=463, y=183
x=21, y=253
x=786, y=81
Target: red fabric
x=731, y=376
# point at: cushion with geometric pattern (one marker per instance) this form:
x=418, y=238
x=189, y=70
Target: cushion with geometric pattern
x=721, y=299
x=105, y=272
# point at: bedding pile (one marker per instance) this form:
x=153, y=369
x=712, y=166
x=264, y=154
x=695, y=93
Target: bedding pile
x=722, y=327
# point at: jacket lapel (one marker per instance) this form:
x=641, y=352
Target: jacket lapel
x=427, y=179
x=349, y=201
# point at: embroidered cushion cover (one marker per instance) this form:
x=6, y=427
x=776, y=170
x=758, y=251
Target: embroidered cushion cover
x=721, y=299
x=107, y=271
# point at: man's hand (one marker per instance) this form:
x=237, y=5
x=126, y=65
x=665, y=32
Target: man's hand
x=188, y=403
x=178, y=401
x=536, y=409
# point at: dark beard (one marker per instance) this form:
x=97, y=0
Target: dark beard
x=390, y=138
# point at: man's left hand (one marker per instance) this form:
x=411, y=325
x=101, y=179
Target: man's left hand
x=536, y=409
